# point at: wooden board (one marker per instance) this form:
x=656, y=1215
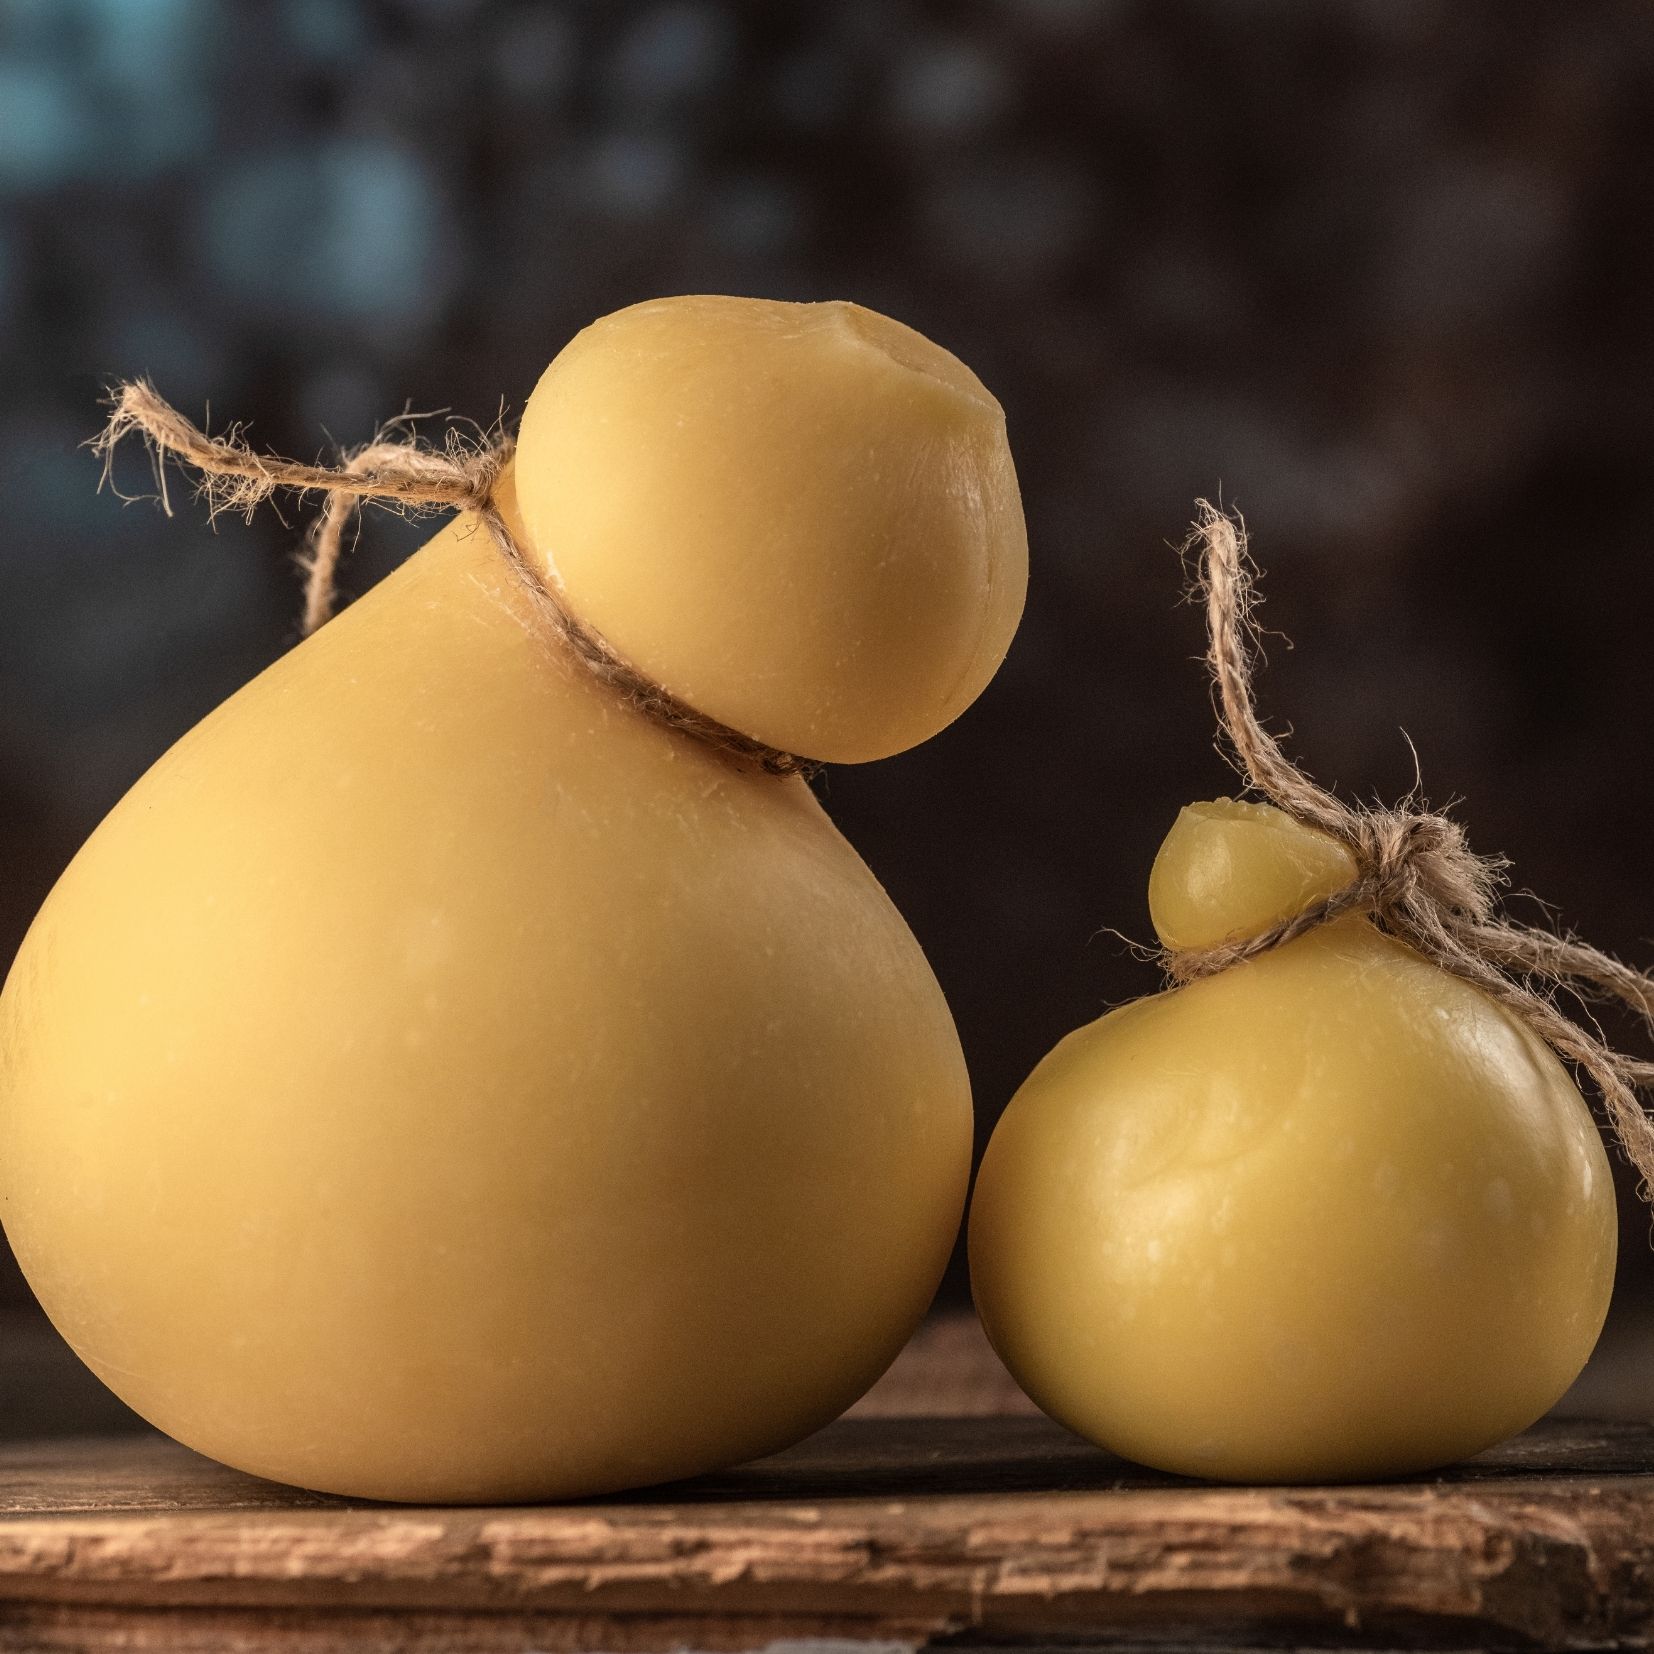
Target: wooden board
x=894, y=1532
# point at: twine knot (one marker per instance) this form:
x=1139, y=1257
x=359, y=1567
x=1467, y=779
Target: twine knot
x=407, y=474
x=1416, y=877
x=1406, y=857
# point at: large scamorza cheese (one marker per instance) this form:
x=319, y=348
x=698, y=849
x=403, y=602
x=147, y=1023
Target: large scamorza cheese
x=437, y=1081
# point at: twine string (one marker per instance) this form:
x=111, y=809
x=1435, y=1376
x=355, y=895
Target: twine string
x=1416, y=875
x=410, y=475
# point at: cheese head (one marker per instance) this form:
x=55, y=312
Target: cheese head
x=1229, y=869
x=801, y=519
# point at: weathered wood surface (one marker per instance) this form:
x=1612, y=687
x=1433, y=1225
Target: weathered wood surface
x=899, y=1532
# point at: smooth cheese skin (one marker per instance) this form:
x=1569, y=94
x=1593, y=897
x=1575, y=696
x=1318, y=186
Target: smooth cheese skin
x=1230, y=869
x=1331, y=1214
x=437, y=1082
x=802, y=519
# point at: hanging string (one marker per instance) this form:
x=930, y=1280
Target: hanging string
x=1416, y=875
x=411, y=475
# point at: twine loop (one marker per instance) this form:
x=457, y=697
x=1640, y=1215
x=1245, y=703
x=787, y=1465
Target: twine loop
x=407, y=474
x=1416, y=877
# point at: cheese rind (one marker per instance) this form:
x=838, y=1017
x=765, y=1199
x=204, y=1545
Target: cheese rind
x=802, y=519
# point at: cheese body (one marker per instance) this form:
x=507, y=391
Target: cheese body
x=435, y=1081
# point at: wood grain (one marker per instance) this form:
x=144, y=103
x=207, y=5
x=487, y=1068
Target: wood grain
x=878, y=1530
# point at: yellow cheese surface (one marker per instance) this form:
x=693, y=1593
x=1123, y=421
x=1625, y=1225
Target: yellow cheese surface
x=1329, y=1214
x=800, y=518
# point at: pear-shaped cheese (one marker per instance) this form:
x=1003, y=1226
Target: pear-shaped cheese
x=435, y=1081
x=1331, y=1213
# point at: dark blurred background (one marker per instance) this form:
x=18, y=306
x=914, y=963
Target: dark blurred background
x=1375, y=270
